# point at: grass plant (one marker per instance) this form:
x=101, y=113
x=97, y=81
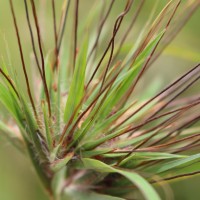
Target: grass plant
x=89, y=130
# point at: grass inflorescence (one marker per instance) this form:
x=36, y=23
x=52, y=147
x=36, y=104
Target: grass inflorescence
x=88, y=130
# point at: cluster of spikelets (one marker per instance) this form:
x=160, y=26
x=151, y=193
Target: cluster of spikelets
x=89, y=134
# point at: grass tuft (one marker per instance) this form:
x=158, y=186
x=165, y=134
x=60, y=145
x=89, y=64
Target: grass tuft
x=91, y=129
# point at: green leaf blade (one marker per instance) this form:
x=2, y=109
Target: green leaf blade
x=146, y=189
x=76, y=90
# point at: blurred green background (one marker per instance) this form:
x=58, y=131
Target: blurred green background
x=18, y=180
